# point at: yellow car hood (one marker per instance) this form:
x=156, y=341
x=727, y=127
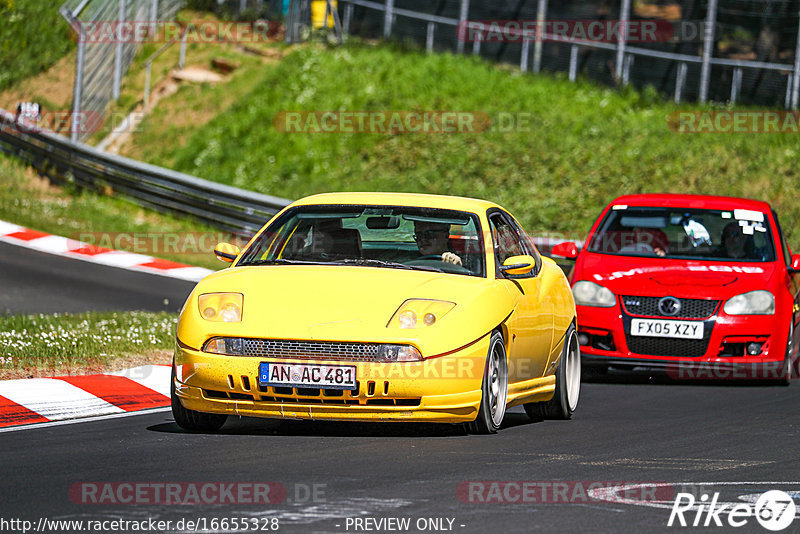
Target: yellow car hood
x=347, y=304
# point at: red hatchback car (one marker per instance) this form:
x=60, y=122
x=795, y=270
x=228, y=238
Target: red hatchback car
x=699, y=286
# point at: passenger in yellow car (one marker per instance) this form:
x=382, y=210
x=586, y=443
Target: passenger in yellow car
x=433, y=240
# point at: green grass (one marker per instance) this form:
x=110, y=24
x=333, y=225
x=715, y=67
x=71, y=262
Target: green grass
x=33, y=36
x=583, y=146
x=80, y=342
x=30, y=201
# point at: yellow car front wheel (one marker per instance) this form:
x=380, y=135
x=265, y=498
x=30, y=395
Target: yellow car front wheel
x=190, y=419
x=494, y=389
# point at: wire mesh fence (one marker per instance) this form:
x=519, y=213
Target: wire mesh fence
x=104, y=56
x=243, y=9
x=721, y=50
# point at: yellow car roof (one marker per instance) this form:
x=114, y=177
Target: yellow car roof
x=401, y=199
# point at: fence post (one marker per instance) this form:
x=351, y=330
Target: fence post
x=573, y=63
x=387, y=19
x=148, y=68
x=182, y=58
x=541, y=13
x=708, y=45
x=736, y=84
x=463, y=14
x=153, y=18
x=626, y=68
x=526, y=46
x=795, y=78
x=429, y=37
x=119, y=51
x=624, y=16
x=242, y=6
x=680, y=80
x=77, y=92
x=348, y=15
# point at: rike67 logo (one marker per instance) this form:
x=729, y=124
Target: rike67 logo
x=774, y=510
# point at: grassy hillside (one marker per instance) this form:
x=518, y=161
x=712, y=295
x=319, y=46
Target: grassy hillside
x=582, y=146
x=33, y=36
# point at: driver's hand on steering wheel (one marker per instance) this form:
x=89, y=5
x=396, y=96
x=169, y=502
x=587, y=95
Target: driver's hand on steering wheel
x=449, y=257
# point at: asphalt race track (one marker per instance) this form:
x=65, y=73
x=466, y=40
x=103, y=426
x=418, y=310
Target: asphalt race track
x=37, y=282
x=628, y=430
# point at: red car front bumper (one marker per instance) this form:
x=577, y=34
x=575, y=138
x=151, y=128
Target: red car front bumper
x=733, y=347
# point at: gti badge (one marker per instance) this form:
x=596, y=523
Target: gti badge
x=669, y=306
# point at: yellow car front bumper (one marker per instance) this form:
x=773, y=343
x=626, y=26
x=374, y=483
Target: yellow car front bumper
x=441, y=389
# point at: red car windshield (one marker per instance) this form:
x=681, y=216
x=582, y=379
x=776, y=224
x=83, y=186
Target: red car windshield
x=697, y=234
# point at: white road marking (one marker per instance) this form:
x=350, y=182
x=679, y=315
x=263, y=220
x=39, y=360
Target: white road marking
x=55, y=244
x=155, y=377
x=36, y=426
x=8, y=228
x=36, y=394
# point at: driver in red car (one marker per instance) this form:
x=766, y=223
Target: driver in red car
x=433, y=240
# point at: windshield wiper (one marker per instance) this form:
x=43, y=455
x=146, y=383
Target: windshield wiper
x=389, y=264
x=283, y=261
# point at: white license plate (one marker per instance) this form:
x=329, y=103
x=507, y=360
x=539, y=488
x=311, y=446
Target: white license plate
x=667, y=328
x=307, y=375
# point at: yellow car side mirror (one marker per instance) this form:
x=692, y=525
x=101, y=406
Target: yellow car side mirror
x=518, y=265
x=226, y=252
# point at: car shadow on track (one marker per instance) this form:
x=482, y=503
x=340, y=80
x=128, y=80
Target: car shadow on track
x=252, y=426
x=662, y=378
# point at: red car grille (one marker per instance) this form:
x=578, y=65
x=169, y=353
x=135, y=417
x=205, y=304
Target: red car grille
x=648, y=307
x=659, y=346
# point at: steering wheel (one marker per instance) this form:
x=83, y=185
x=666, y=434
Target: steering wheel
x=429, y=257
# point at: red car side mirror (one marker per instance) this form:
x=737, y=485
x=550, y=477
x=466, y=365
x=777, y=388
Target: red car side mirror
x=569, y=250
x=795, y=266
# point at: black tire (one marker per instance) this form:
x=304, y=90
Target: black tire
x=568, y=380
x=788, y=365
x=494, y=388
x=190, y=419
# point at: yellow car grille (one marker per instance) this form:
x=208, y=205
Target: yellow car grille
x=326, y=350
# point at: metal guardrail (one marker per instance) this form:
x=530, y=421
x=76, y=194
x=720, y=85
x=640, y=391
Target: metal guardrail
x=164, y=190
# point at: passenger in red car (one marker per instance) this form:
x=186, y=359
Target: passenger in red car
x=735, y=244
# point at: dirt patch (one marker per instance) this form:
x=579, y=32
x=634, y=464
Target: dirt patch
x=157, y=357
x=52, y=88
x=197, y=75
x=655, y=11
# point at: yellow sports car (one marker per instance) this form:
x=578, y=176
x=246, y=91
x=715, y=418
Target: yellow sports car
x=379, y=307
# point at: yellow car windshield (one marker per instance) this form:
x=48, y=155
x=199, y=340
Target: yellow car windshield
x=373, y=236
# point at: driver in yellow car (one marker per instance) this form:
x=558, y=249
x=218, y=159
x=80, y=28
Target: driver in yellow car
x=433, y=240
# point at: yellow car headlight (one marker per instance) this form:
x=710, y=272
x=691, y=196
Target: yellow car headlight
x=231, y=346
x=419, y=313
x=221, y=307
